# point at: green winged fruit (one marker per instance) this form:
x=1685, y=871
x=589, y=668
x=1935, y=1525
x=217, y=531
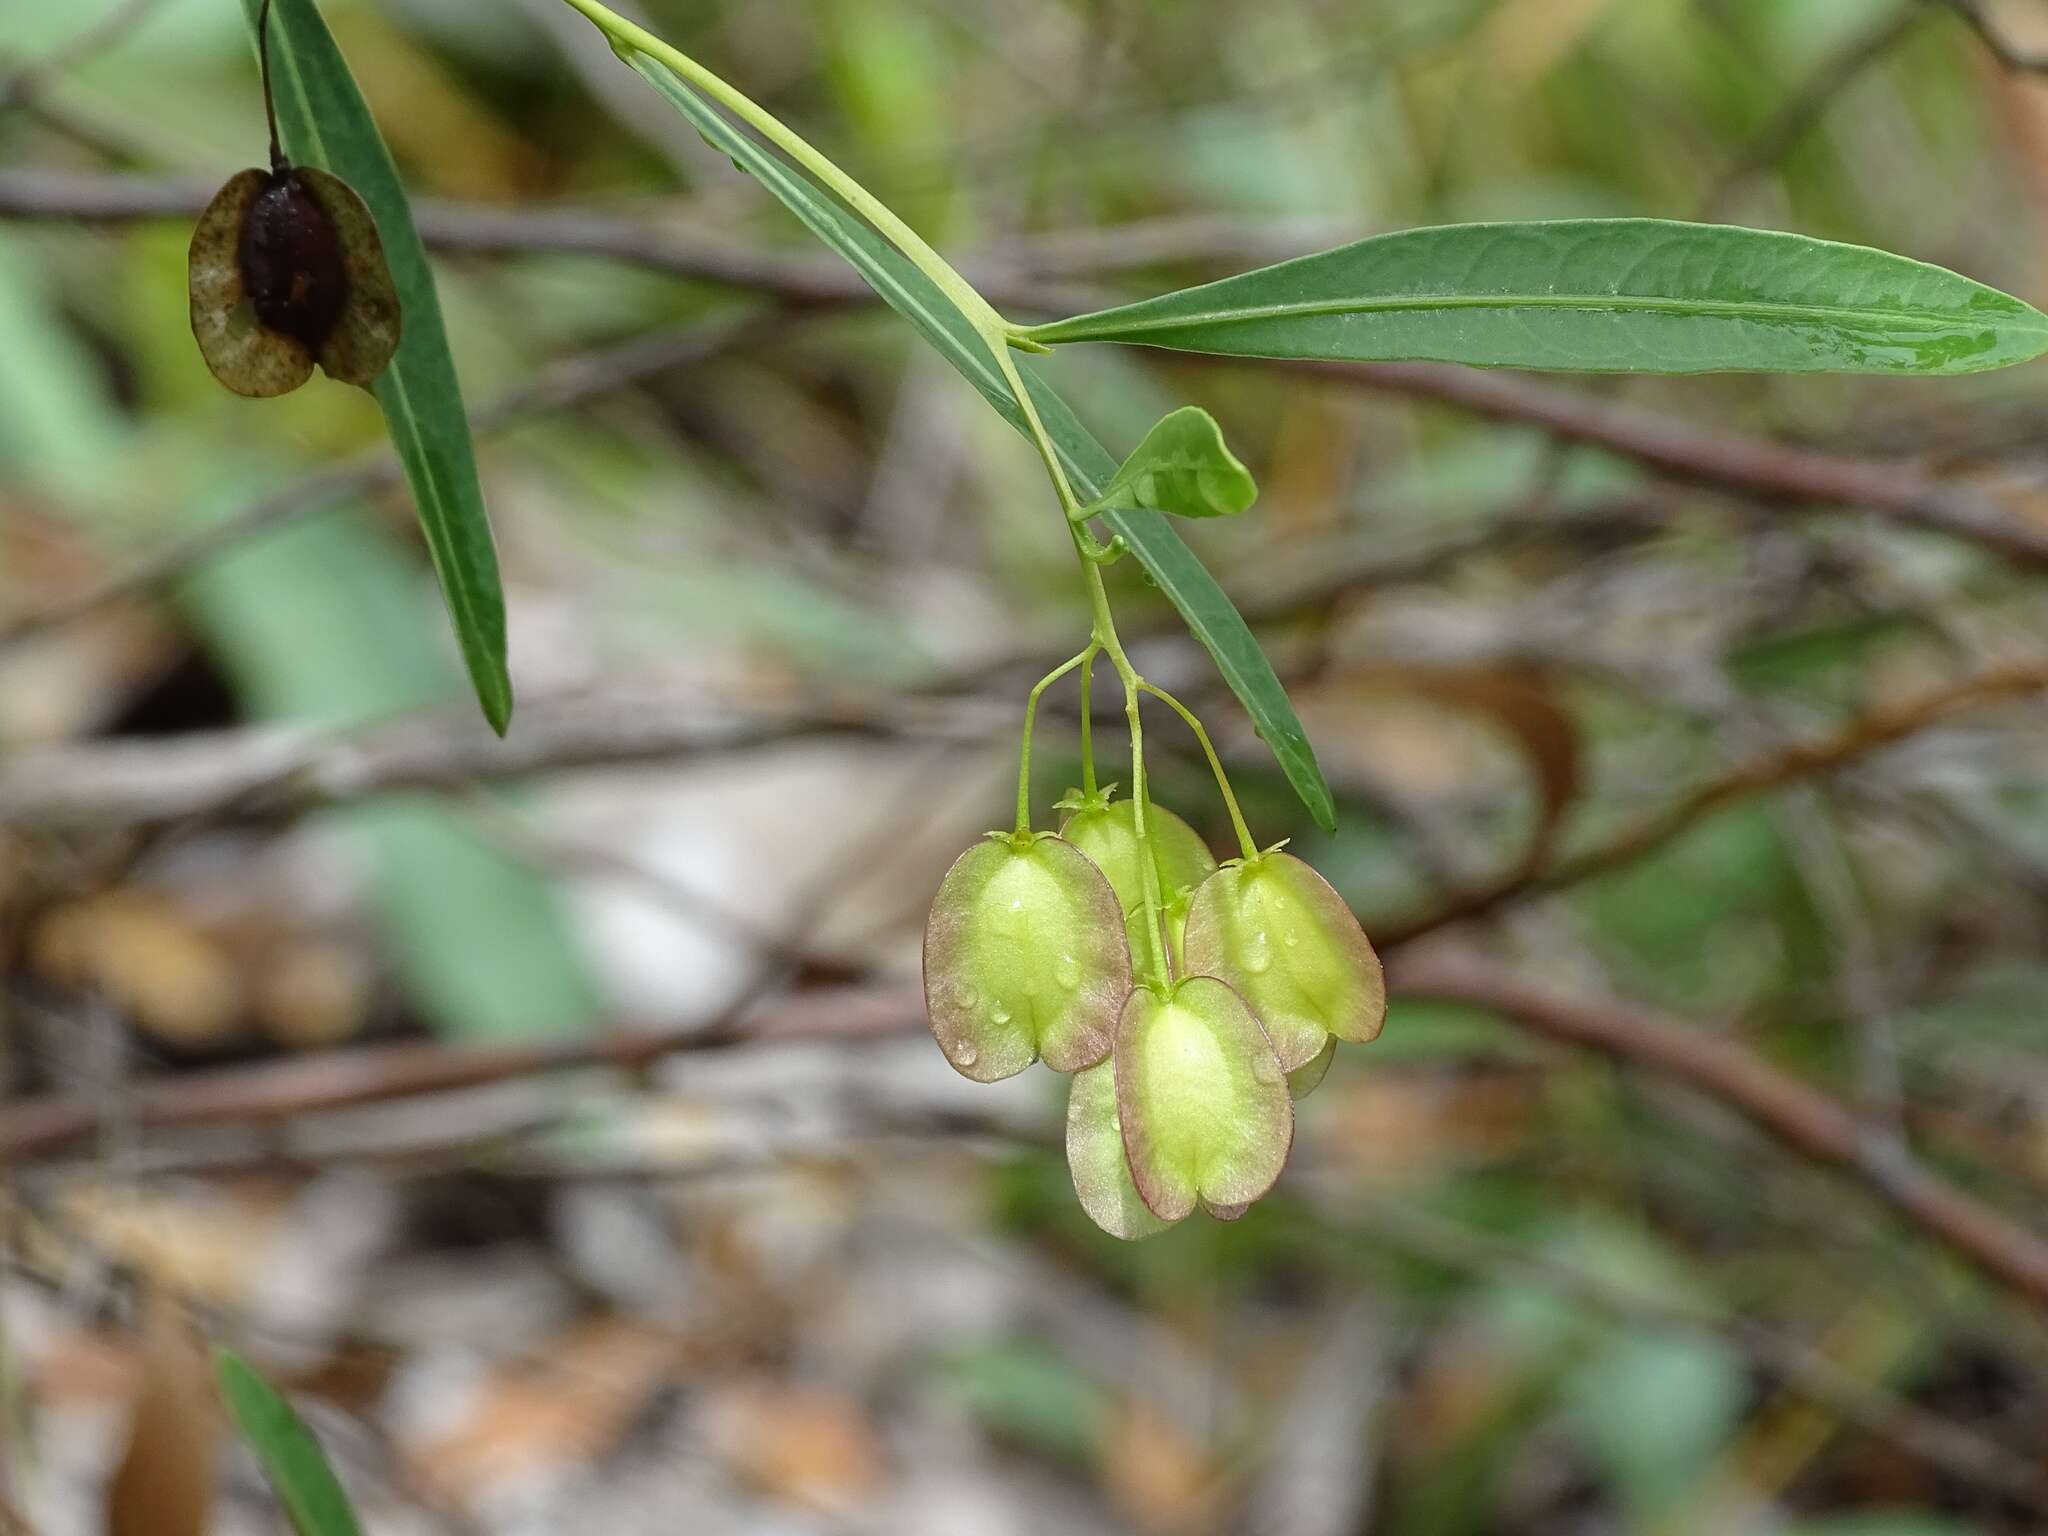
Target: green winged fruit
x=1201, y=1099
x=1024, y=958
x=1095, y=1158
x=1275, y=930
x=1106, y=830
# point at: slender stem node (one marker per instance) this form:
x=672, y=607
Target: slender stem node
x=1088, y=721
x=1245, y=844
x=278, y=163
x=1030, y=719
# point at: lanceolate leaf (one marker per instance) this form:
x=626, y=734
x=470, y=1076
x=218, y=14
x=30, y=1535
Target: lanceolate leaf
x=1594, y=295
x=1182, y=467
x=292, y=1459
x=325, y=123
x=1208, y=613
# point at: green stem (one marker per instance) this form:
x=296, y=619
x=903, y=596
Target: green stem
x=1106, y=636
x=1030, y=719
x=624, y=35
x=1249, y=848
x=1088, y=723
x=998, y=333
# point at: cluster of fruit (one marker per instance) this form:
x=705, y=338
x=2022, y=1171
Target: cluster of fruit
x=1184, y=1083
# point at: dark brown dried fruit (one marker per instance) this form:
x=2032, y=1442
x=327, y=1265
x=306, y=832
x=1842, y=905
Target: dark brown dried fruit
x=287, y=271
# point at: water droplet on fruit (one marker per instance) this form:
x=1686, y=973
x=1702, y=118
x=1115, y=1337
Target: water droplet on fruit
x=1258, y=958
x=965, y=1055
x=999, y=1015
x=1068, y=972
x=965, y=997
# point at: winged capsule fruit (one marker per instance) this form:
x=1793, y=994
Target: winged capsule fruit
x=1274, y=929
x=1106, y=830
x=286, y=271
x=1201, y=1099
x=1308, y=1077
x=1095, y=1158
x=1024, y=958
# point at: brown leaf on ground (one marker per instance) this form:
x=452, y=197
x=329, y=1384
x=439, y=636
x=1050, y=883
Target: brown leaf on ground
x=811, y=1447
x=163, y=1485
x=569, y=1409
x=1156, y=1474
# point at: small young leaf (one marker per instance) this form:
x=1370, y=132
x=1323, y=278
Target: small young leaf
x=292, y=1459
x=1593, y=295
x=325, y=123
x=1209, y=614
x=1182, y=467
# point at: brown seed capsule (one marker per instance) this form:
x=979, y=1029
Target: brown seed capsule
x=286, y=271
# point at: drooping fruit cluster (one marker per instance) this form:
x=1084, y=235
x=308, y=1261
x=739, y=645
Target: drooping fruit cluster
x=1189, y=1046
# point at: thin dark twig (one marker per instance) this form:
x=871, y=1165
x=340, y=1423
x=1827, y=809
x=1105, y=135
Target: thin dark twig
x=1801, y=763
x=1809, y=1122
x=1780, y=473
x=21, y=88
x=1905, y=1426
x=1802, y=113
x=2008, y=54
x=560, y=384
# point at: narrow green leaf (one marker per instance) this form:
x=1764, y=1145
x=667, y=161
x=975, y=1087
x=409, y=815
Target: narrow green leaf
x=1208, y=612
x=1183, y=467
x=292, y=1459
x=1593, y=295
x=325, y=123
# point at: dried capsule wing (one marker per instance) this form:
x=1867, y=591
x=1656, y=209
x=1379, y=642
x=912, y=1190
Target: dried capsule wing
x=242, y=352
x=1095, y=1158
x=366, y=332
x=1201, y=1098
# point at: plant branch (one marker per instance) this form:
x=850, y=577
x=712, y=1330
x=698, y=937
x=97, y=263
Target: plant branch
x=1721, y=459
x=1860, y=738
x=566, y=382
x=1978, y=19
x=1808, y=1122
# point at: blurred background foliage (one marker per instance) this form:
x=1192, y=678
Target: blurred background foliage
x=817, y=1286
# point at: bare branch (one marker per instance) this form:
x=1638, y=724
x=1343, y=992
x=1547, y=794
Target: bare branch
x=563, y=383
x=1802, y=1119
x=1978, y=19
x=269, y=772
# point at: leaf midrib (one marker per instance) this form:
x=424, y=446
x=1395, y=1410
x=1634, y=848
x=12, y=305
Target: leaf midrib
x=1743, y=309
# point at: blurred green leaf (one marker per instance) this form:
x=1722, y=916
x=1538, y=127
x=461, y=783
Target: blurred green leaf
x=322, y=621
x=1203, y=605
x=1184, y=468
x=1031, y=1395
x=324, y=122
x=298, y=1469
x=1653, y=1411
x=1593, y=295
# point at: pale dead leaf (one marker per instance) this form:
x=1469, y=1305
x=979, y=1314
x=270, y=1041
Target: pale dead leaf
x=163, y=1485
x=1156, y=1474
x=810, y=1447
x=569, y=1409
x=140, y=950
x=1522, y=702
